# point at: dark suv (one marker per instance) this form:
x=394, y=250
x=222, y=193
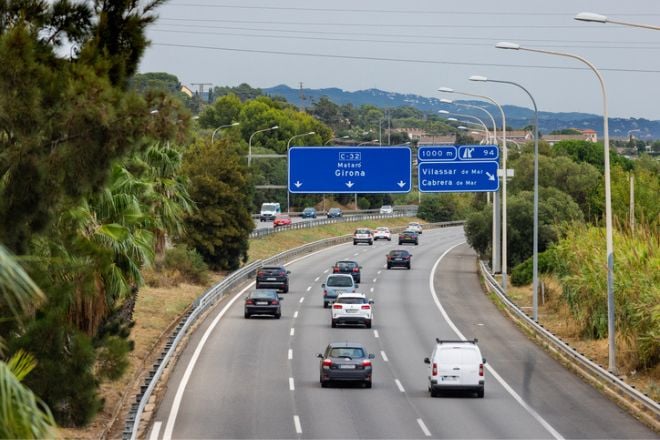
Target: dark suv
x=398, y=258
x=274, y=277
x=345, y=362
x=308, y=213
x=334, y=213
x=409, y=237
x=349, y=267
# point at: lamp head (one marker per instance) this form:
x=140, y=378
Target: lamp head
x=444, y=112
x=590, y=16
x=446, y=101
x=478, y=78
x=452, y=119
x=234, y=124
x=311, y=133
x=507, y=45
x=274, y=127
x=462, y=127
x=446, y=90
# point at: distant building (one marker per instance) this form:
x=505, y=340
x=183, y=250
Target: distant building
x=421, y=137
x=187, y=91
x=585, y=135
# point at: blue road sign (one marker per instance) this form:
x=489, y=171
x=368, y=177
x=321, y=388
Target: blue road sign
x=458, y=176
x=478, y=152
x=436, y=152
x=349, y=169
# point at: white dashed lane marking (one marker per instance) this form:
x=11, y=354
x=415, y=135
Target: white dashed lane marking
x=316, y=279
x=292, y=332
x=326, y=271
x=382, y=353
x=155, y=431
x=372, y=290
x=375, y=279
x=399, y=386
x=292, y=387
x=290, y=354
x=424, y=428
x=376, y=334
x=309, y=288
x=378, y=273
x=296, y=422
x=295, y=315
x=302, y=299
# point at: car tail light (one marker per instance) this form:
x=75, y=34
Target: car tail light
x=481, y=370
x=249, y=301
x=274, y=302
x=435, y=369
x=327, y=363
x=283, y=273
x=389, y=257
x=366, y=363
x=366, y=307
x=335, y=269
x=355, y=269
x=260, y=273
x=336, y=306
x=325, y=292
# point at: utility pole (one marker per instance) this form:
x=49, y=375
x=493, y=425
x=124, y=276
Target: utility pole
x=302, y=97
x=201, y=87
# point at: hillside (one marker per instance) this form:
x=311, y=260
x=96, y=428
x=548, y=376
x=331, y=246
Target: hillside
x=516, y=116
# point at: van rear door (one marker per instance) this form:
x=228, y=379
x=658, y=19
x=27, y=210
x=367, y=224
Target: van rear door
x=448, y=360
x=470, y=361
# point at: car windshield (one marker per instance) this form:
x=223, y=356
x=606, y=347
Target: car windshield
x=263, y=294
x=351, y=301
x=269, y=207
x=343, y=281
x=351, y=352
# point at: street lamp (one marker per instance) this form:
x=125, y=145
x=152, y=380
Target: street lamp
x=445, y=112
x=274, y=127
x=233, y=124
x=332, y=139
x=288, y=144
x=504, y=156
x=535, y=253
x=367, y=142
x=608, y=195
x=598, y=18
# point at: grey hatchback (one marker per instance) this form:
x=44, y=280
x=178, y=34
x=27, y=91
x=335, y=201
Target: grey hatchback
x=345, y=362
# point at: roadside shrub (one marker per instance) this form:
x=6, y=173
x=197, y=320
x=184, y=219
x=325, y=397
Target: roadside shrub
x=521, y=275
x=440, y=208
x=188, y=262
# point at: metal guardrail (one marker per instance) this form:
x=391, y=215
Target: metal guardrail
x=604, y=376
x=396, y=208
x=262, y=232
x=209, y=298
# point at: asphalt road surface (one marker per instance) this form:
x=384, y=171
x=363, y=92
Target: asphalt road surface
x=259, y=378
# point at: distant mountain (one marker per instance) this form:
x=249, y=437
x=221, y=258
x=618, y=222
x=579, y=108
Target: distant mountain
x=515, y=116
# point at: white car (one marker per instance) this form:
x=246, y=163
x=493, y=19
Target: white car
x=382, y=233
x=456, y=365
x=352, y=308
x=363, y=235
x=386, y=209
x=414, y=226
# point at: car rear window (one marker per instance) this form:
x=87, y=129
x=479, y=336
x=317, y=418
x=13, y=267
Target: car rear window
x=263, y=294
x=351, y=301
x=399, y=253
x=383, y=229
x=362, y=231
x=340, y=281
x=346, y=265
x=352, y=352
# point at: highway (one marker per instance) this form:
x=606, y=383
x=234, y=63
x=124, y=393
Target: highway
x=258, y=378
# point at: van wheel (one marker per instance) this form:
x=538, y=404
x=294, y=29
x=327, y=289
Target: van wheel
x=368, y=324
x=278, y=316
x=286, y=289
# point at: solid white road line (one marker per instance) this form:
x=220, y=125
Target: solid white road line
x=424, y=428
x=295, y=314
x=292, y=387
x=290, y=354
x=492, y=371
x=316, y=279
x=382, y=353
x=155, y=431
x=296, y=422
x=375, y=333
x=292, y=332
x=302, y=299
x=309, y=288
x=398, y=384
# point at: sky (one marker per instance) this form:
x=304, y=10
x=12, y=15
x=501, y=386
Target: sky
x=417, y=46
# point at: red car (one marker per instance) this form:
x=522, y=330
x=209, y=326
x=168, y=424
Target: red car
x=281, y=220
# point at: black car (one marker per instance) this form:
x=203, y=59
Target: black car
x=308, y=213
x=400, y=258
x=345, y=362
x=349, y=267
x=274, y=277
x=409, y=237
x=334, y=213
x=263, y=302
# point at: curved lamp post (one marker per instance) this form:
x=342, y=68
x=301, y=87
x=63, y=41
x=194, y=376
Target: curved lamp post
x=598, y=18
x=608, y=195
x=332, y=139
x=233, y=124
x=535, y=254
x=504, y=177
x=445, y=112
x=274, y=127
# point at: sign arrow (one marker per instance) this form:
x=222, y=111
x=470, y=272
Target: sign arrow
x=401, y=183
x=490, y=176
x=298, y=184
x=349, y=184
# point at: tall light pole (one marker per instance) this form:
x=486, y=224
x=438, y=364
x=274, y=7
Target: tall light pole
x=288, y=144
x=445, y=112
x=233, y=124
x=274, y=127
x=598, y=18
x=335, y=138
x=608, y=195
x=495, y=253
x=535, y=254
x=504, y=177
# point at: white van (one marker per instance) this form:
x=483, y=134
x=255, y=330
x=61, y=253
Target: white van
x=268, y=211
x=456, y=365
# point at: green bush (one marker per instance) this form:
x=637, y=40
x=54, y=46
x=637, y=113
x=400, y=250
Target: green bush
x=188, y=262
x=440, y=208
x=521, y=275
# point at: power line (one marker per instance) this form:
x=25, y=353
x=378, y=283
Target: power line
x=399, y=60
x=370, y=34
x=400, y=11
x=353, y=40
